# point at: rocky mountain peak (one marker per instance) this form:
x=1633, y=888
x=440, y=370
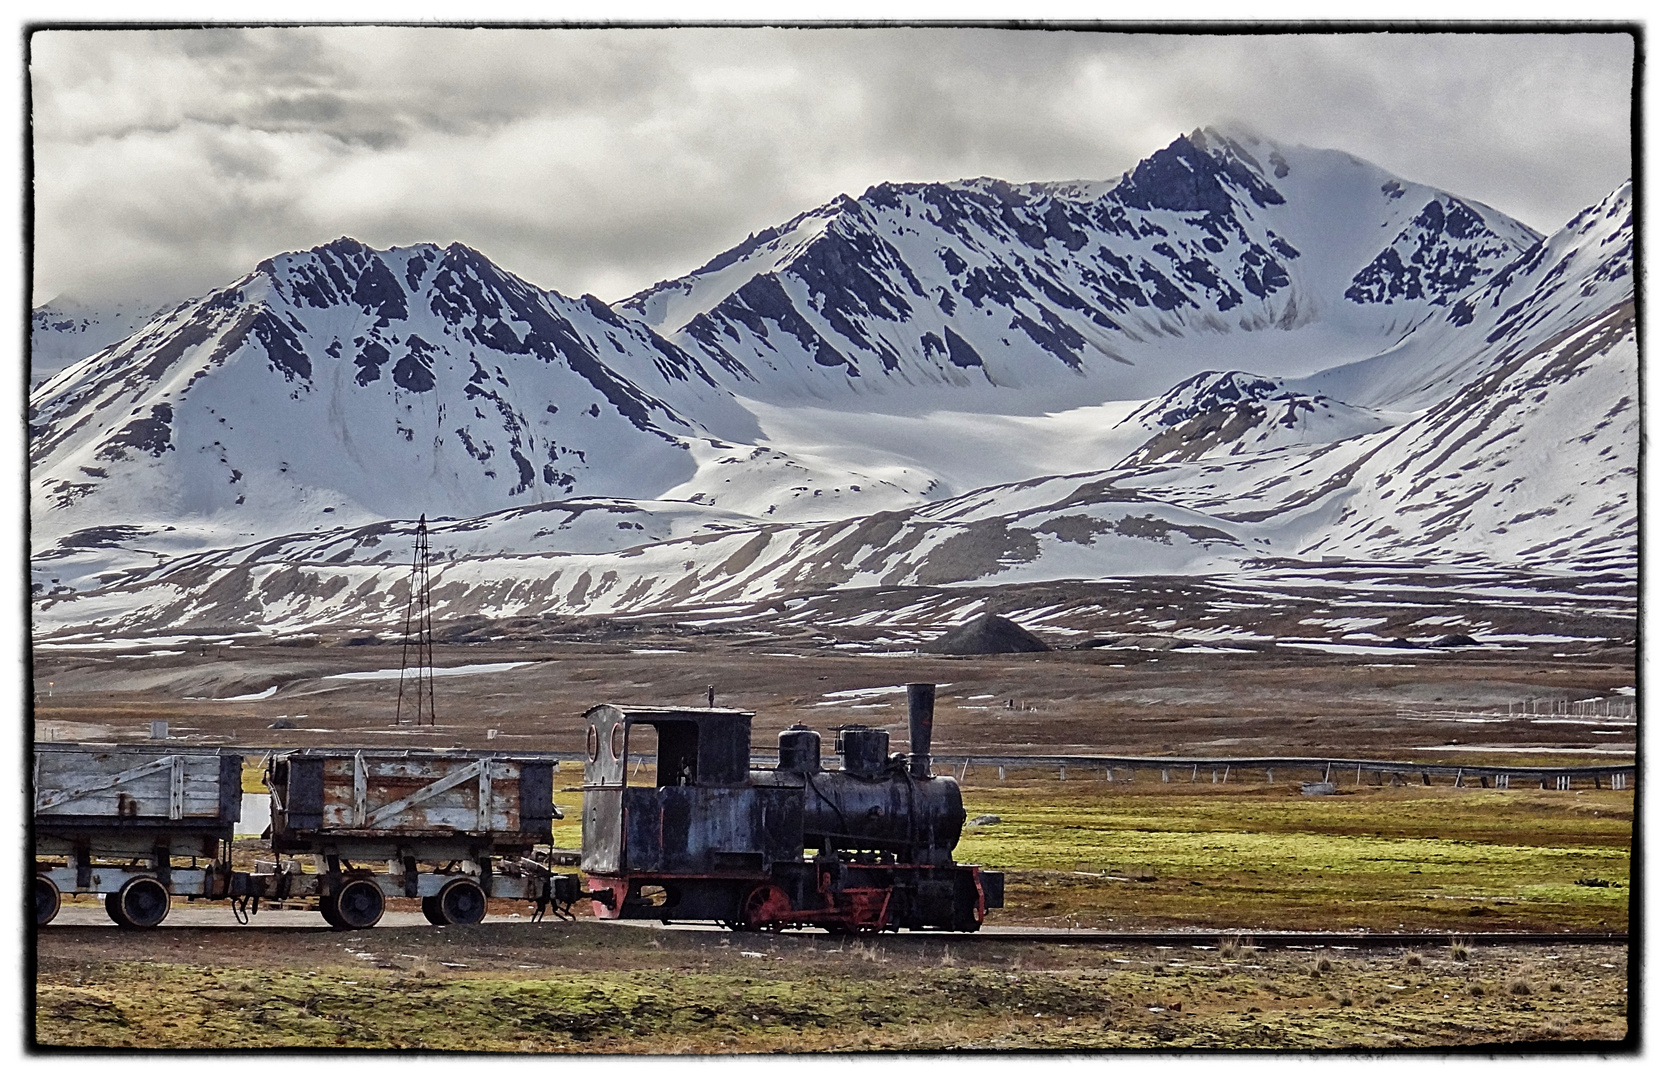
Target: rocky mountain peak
x=1195, y=174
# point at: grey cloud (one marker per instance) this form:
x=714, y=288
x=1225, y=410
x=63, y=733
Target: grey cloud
x=603, y=160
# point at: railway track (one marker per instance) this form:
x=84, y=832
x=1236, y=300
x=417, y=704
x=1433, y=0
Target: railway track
x=1261, y=939
x=1286, y=939
x=217, y=918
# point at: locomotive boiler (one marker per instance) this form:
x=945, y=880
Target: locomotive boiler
x=863, y=847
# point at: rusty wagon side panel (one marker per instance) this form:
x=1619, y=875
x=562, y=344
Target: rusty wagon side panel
x=379, y=801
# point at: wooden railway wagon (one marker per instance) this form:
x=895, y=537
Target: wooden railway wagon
x=473, y=820
x=115, y=821
x=450, y=829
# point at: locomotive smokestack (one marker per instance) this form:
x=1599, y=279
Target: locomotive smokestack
x=921, y=698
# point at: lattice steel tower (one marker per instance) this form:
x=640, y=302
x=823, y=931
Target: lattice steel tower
x=416, y=658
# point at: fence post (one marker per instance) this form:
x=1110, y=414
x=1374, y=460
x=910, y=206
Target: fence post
x=1001, y=772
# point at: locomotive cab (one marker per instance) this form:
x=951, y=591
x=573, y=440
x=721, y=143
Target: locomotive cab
x=705, y=829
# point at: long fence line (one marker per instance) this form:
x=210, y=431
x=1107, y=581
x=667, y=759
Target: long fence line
x=1320, y=769
x=1222, y=770
x=1218, y=770
x=1598, y=710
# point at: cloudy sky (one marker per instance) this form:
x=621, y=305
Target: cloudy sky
x=169, y=162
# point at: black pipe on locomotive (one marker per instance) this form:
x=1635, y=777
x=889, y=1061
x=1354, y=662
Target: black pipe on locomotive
x=867, y=846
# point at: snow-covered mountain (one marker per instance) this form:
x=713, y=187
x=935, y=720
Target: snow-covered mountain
x=63, y=330
x=344, y=386
x=1217, y=414
x=1534, y=456
x=1304, y=257
x=1412, y=377
x=1585, y=267
x=1518, y=432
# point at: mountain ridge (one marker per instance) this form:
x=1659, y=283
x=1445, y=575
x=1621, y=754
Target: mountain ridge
x=983, y=281
x=1486, y=344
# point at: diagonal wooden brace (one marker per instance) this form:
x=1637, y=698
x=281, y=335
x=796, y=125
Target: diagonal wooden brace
x=445, y=783
x=173, y=763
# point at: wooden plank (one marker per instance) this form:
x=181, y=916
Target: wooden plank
x=410, y=768
x=157, y=787
x=359, y=780
x=176, y=788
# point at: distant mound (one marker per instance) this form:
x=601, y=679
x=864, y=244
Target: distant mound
x=988, y=634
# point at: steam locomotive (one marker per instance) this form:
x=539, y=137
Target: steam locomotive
x=713, y=839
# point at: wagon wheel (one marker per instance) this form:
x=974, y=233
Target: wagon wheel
x=332, y=915
x=139, y=905
x=431, y=910
x=462, y=902
x=359, y=905
x=765, y=908
x=47, y=900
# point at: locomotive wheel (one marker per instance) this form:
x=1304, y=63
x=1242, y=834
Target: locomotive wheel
x=765, y=908
x=462, y=902
x=332, y=915
x=139, y=905
x=47, y=900
x=359, y=905
x=431, y=910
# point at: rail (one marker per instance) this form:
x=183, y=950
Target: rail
x=1213, y=940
